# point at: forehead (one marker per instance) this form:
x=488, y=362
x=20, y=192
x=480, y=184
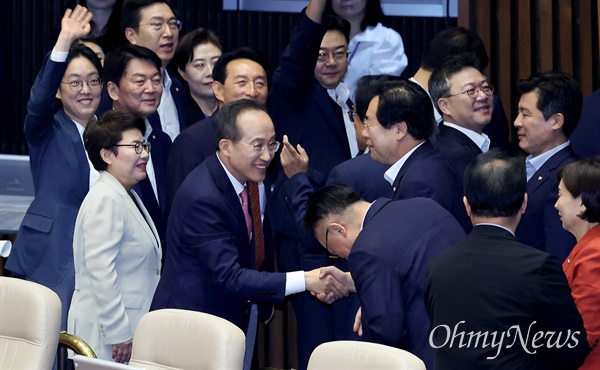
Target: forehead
x=253, y=123
x=466, y=76
x=206, y=50
x=80, y=65
x=156, y=10
x=529, y=100
x=140, y=66
x=244, y=67
x=333, y=39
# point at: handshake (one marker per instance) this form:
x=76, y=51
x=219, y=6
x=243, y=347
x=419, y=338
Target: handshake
x=329, y=283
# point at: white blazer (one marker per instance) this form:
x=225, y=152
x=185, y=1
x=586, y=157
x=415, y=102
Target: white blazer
x=376, y=50
x=117, y=257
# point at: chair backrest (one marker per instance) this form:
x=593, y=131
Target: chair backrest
x=180, y=339
x=346, y=354
x=29, y=324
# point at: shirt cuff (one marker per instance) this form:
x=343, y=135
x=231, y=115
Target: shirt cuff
x=58, y=56
x=294, y=282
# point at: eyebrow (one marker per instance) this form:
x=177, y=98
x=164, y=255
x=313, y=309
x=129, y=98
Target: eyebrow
x=159, y=18
x=333, y=48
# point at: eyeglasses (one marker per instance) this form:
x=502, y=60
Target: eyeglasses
x=337, y=55
x=259, y=148
x=138, y=146
x=367, y=125
x=174, y=24
x=77, y=85
x=474, y=92
x=331, y=254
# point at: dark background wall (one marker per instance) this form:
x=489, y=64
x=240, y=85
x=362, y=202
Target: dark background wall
x=33, y=26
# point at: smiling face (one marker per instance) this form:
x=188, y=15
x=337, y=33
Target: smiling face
x=244, y=163
x=80, y=105
x=471, y=113
x=245, y=79
x=164, y=41
x=198, y=71
x=381, y=141
x=126, y=165
x=139, y=89
x=536, y=134
x=569, y=209
x=332, y=71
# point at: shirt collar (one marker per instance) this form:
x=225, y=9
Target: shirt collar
x=167, y=80
x=500, y=226
x=391, y=174
x=238, y=186
x=538, y=161
x=478, y=139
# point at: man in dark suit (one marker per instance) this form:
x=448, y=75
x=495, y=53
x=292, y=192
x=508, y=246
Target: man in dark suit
x=397, y=126
x=310, y=104
x=388, y=246
x=213, y=265
x=495, y=303
x=238, y=74
x=132, y=75
x=549, y=109
x=152, y=24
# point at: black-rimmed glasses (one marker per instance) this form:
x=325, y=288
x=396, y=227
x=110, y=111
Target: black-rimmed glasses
x=337, y=55
x=77, y=85
x=259, y=148
x=474, y=91
x=138, y=146
x=174, y=25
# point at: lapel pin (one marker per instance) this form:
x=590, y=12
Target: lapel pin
x=177, y=89
x=394, y=189
x=540, y=178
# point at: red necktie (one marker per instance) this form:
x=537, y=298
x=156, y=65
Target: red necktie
x=259, y=237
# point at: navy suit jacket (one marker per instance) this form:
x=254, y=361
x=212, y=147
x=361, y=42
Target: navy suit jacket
x=388, y=262
x=540, y=226
x=161, y=143
x=585, y=139
x=426, y=173
x=43, y=250
x=489, y=282
x=191, y=147
x=210, y=264
x=302, y=109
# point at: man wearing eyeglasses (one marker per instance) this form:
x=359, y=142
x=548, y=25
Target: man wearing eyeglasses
x=218, y=262
x=152, y=24
x=310, y=104
x=464, y=98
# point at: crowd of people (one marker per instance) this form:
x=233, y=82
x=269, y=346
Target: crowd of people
x=171, y=173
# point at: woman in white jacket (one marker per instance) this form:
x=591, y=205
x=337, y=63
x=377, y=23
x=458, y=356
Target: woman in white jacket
x=374, y=48
x=116, y=248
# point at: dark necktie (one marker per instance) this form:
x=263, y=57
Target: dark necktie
x=259, y=237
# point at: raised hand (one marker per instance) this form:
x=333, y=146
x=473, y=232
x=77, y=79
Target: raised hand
x=74, y=24
x=293, y=160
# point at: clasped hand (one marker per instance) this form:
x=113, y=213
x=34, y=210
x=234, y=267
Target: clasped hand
x=329, y=283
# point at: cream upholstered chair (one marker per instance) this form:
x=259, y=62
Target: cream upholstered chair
x=180, y=339
x=346, y=354
x=30, y=317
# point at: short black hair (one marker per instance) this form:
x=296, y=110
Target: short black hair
x=495, y=184
x=407, y=102
x=439, y=81
x=330, y=200
x=117, y=61
x=373, y=13
x=108, y=131
x=452, y=41
x=557, y=92
x=582, y=178
x=369, y=86
x=131, y=12
x=80, y=50
x=220, y=69
x=341, y=25
x=185, y=49
x=225, y=121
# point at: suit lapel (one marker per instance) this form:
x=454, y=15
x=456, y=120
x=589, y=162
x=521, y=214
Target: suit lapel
x=543, y=174
x=78, y=148
x=412, y=159
x=460, y=138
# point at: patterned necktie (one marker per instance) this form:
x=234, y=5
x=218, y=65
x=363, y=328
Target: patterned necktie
x=244, y=195
x=259, y=237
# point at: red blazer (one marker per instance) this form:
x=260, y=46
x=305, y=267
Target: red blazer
x=582, y=268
